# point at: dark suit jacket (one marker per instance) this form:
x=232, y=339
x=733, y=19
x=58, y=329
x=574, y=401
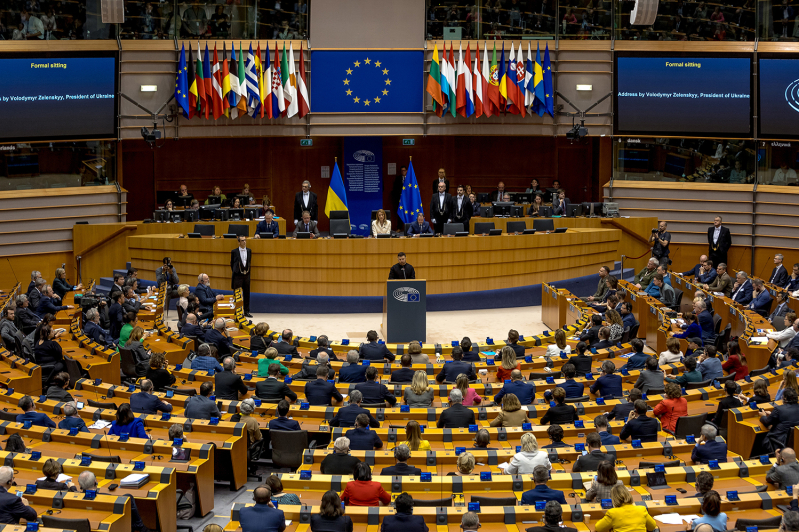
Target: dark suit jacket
x=375, y=351
x=742, y=294
x=236, y=267
x=781, y=420
x=620, y=411
x=455, y=417
x=582, y=363
x=300, y=228
x=725, y=240
x=117, y=315
x=707, y=325
x=472, y=356
x=96, y=333
x=228, y=385
x=414, y=228
x=332, y=356
x=449, y=372
x=319, y=393
x=338, y=464
x=284, y=423
x=779, y=278
x=285, y=348
x=435, y=208
x=402, y=375
x=401, y=470
x=591, y=461
x=145, y=403
x=711, y=450
x=641, y=428
x=762, y=302
x=206, y=297
x=591, y=335
x=375, y=392
x=12, y=509
x=33, y=299
x=352, y=374
x=435, y=185
x=345, y=417
x=558, y=210
x=273, y=228
x=523, y=391
x=402, y=522
x=463, y=215
x=313, y=208
x=223, y=343
x=272, y=388
x=47, y=306
x=131, y=306
x=191, y=329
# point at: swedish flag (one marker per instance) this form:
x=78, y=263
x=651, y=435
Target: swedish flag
x=336, y=193
x=182, y=84
x=410, y=204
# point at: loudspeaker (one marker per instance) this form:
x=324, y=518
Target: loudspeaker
x=644, y=13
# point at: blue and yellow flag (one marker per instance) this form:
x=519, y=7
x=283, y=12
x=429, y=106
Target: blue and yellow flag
x=539, y=100
x=182, y=84
x=410, y=204
x=336, y=193
x=549, y=90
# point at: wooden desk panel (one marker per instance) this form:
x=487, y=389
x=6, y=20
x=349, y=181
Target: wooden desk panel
x=340, y=267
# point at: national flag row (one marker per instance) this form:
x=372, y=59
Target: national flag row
x=492, y=88
x=254, y=85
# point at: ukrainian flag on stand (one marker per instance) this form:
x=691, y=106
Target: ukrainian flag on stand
x=336, y=193
x=410, y=204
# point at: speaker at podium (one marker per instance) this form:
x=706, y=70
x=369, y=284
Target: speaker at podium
x=405, y=311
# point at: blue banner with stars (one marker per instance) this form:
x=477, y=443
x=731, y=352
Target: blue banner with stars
x=366, y=81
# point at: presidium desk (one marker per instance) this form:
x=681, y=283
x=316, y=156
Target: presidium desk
x=360, y=267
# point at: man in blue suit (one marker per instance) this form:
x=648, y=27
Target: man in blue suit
x=419, y=227
x=267, y=225
x=345, y=417
x=281, y=422
x=602, y=427
x=190, y=328
x=262, y=515
x=116, y=313
x=373, y=350
x=449, y=372
x=145, y=402
x=403, y=519
x=639, y=358
x=47, y=303
x=37, y=419
x=705, y=320
x=627, y=316
x=707, y=448
x=352, y=372
x=320, y=392
x=93, y=330
x=761, y=298
x=204, y=294
x=218, y=336
x=742, y=289
x=697, y=270
x=524, y=391
x=373, y=390
x=779, y=275
x=570, y=386
x=406, y=373
x=542, y=492
x=402, y=453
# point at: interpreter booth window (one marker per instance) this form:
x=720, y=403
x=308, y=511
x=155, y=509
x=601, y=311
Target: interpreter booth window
x=687, y=20
x=684, y=160
x=497, y=20
x=778, y=162
x=57, y=165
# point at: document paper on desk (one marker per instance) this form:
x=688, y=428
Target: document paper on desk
x=669, y=519
x=100, y=424
x=135, y=480
x=61, y=478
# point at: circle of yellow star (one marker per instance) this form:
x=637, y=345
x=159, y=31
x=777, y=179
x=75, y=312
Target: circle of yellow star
x=377, y=99
x=367, y=61
x=388, y=82
x=349, y=92
x=385, y=92
x=346, y=82
x=366, y=102
x=357, y=63
x=357, y=99
x=385, y=71
x=349, y=71
x=377, y=64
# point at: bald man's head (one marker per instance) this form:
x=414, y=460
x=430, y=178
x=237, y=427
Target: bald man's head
x=788, y=455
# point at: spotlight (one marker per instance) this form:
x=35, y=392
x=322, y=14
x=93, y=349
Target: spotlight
x=150, y=136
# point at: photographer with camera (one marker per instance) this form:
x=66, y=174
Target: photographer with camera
x=661, y=239
x=167, y=274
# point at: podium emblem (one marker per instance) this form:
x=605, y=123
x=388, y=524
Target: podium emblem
x=407, y=294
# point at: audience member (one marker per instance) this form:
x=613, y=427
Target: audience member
x=282, y=422
x=144, y=402
x=262, y=516
x=639, y=426
x=362, y=491
x=603, y=429
x=361, y=438
x=608, y=384
x=201, y=406
x=346, y=416
x=413, y=433
x=672, y=354
x=511, y=414
x=339, y=462
x=351, y=371
x=419, y=394
x=560, y=345
x=708, y=448
x=523, y=391
x=561, y=413
x=374, y=392
x=36, y=419
x=272, y=388
x=405, y=374
x=228, y=384
x=671, y=408
x=320, y=392
x=712, y=514
x=622, y=410
x=638, y=358
x=402, y=454
x=541, y=492
x=572, y=388
x=691, y=374
x=456, y=416
x=651, y=377
x=524, y=462
x=625, y=515
x=126, y=423
x=331, y=516
x=595, y=456
x=470, y=397
x=581, y=361
x=710, y=366
x=72, y=419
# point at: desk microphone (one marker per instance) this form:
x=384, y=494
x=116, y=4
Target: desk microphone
x=403, y=273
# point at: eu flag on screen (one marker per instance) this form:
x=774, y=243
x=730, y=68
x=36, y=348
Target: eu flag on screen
x=365, y=81
x=410, y=204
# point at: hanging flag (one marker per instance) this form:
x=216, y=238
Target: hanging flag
x=410, y=204
x=225, y=83
x=278, y=100
x=537, y=86
x=294, y=106
x=271, y=112
x=216, y=83
x=233, y=95
x=434, y=83
x=302, y=89
x=477, y=84
x=260, y=72
x=182, y=84
x=444, y=82
x=336, y=193
x=460, y=94
x=511, y=87
x=469, y=78
x=549, y=90
x=492, y=76
x=208, y=82
x=253, y=96
x=520, y=75
x=191, y=80
x=285, y=79
x=452, y=75
x=503, y=81
x=242, y=105
x=199, y=84
x=528, y=76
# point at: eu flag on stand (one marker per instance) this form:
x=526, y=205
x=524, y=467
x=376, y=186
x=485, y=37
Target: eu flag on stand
x=182, y=84
x=410, y=204
x=367, y=81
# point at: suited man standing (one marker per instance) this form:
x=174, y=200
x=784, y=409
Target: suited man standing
x=440, y=208
x=719, y=241
x=240, y=262
x=779, y=275
x=461, y=209
x=419, y=227
x=267, y=225
x=305, y=201
x=442, y=178
x=167, y=274
x=306, y=225
x=742, y=289
x=402, y=270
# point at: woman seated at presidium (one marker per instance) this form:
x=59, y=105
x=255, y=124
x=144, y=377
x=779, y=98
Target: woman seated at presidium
x=380, y=225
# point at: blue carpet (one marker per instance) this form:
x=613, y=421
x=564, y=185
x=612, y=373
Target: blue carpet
x=524, y=296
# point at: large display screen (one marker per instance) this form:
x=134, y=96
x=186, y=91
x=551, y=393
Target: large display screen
x=683, y=95
x=778, y=98
x=58, y=96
